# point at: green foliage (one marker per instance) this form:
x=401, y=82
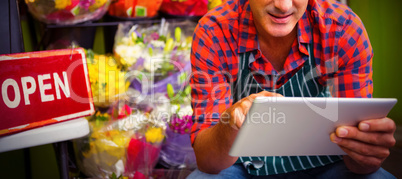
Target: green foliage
x=90, y=56
x=162, y=38
x=114, y=176
x=177, y=98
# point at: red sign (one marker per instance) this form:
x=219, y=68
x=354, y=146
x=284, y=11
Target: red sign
x=42, y=88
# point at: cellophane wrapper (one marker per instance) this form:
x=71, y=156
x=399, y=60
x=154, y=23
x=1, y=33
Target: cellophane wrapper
x=66, y=12
x=124, y=141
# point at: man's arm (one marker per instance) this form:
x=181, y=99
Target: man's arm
x=210, y=97
x=212, y=147
x=367, y=145
x=216, y=120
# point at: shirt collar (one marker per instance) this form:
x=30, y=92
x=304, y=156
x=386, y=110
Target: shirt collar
x=248, y=40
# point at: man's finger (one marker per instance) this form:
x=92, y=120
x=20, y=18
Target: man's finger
x=373, y=138
x=378, y=125
x=245, y=106
x=362, y=159
x=267, y=93
x=237, y=118
x=361, y=147
x=241, y=108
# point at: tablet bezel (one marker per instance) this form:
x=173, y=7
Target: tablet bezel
x=307, y=135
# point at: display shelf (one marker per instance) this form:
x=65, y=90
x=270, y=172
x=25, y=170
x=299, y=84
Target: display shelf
x=62, y=131
x=56, y=134
x=84, y=33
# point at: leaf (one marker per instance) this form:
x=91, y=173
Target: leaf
x=177, y=34
x=187, y=90
x=182, y=77
x=139, y=76
x=162, y=38
x=113, y=176
x=150, y=51
x=178, y=108
x=170, y=90
x=129, y=11
x=75, y=10
x=168, y=46
x=90, y=56
x=134, y=36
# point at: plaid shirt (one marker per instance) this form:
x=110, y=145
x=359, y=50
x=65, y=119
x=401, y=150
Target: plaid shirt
x=342, y=52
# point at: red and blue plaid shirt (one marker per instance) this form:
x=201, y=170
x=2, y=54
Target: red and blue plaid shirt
x=342, y=52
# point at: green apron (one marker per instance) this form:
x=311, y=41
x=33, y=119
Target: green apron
x=303, y=84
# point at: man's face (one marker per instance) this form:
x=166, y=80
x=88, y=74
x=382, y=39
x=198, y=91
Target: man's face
x=277, y=17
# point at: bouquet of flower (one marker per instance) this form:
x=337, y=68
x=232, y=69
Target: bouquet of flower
x=134, y=8
x=67, y=11
x=155, y=55
x=123, y=142
x=107, y=79
x=127, y=136
x=177, y=151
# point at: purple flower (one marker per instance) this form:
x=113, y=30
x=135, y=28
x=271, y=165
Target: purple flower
x=181, y=126
x=139, y=35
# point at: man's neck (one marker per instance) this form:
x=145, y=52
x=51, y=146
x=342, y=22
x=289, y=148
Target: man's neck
x=276, y=49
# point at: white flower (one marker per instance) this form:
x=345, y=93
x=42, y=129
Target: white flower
x=185, y=110
x=153, y=63
x=125, y=40
x=157, y=44
x=174, y=108
x=129, y=54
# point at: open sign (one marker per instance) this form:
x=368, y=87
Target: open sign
x=42, y=88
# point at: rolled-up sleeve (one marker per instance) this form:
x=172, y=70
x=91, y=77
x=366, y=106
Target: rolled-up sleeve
x=355, y=74
x=210, y=84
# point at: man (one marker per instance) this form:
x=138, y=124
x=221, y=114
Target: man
x=317, y=48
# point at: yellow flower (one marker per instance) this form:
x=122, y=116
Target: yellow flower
x=97, y=4
x=61, y=4
x=107, y=80
x=113, y=142
x=154, y=135
x=213, y=3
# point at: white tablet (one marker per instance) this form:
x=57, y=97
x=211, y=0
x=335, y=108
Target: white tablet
x=293, y=126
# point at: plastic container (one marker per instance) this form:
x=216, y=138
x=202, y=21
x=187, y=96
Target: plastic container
x=66, y=12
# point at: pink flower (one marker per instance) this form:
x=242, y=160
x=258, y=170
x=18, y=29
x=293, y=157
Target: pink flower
x=181, y=126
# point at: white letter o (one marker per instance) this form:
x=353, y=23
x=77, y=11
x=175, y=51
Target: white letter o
x=7, y=101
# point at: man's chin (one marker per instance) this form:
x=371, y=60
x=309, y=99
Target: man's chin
x=280, y=32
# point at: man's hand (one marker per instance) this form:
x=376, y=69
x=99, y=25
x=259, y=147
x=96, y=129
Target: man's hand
x=367, y=145
x=212, y=145
x=236, y=113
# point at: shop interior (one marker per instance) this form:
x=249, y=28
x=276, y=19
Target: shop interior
x=111, y=33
